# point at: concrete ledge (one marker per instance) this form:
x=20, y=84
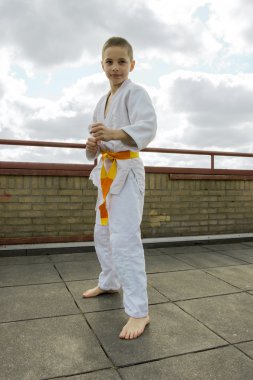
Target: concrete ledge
x=57, y=248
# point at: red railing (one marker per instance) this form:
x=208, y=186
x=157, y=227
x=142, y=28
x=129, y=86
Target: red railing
x=80, y=169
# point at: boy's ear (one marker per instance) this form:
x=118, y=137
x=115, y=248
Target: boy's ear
x=132, y=65
x=102, y=65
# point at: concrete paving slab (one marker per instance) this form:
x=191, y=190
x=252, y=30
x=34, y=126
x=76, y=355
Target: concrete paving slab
x=79, y=270
x=249, y=243
x=24, y=260
x=223, y=363
x=189, y=284
x=152, y=252
x=228, y=246
x=107, y=374
x=247, y=348
x=207, y=260
x=100, y=303
x=105, y=301
x=171, y=332
x=183, y=249
x=35, y=301
x=50, y=347
x=164, y=263
x=79, y=256
x=230, y=316
x=243, y=254
x=11, y=275
x=240, y=276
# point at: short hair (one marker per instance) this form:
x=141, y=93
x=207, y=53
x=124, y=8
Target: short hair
x=118, y=41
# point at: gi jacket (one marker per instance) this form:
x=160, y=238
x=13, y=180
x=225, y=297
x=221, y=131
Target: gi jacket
x=132, y=111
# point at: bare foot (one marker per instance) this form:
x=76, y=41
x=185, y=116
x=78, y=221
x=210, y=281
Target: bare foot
x=134, y=327
x=96, y=292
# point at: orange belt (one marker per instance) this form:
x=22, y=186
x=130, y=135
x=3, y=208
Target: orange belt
x=107, y=178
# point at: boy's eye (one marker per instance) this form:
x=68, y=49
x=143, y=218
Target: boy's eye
x=110, y=62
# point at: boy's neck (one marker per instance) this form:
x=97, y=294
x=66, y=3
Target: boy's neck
x=114, y=89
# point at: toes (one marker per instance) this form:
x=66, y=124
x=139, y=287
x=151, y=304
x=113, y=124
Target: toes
x=125, y=334
x=122, y=335
x=131, y=332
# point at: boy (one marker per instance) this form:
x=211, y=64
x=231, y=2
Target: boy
x=124, y=122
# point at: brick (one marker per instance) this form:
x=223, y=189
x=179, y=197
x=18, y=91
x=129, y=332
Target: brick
x=152, y=181
x=71, y=192
x=71, y=206
x=33, y=199
x=80, y=227
x=43, y=192
x=7, y=214
x=49, y=206
x=19, y=206
x=57, y=199
x=3, y=182
x=18, y=221
x=57, y=228
x=31, y=214
x=27, y=182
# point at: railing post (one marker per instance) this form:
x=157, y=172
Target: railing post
x=212, y=161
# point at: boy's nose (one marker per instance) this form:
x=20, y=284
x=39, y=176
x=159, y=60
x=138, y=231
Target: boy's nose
x=115, y=67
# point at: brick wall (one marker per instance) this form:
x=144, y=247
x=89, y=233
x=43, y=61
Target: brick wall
x=183, y=207
x=46, y=206
x=57, y=208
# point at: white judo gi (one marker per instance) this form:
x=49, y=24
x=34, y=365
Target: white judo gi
x=118, y=245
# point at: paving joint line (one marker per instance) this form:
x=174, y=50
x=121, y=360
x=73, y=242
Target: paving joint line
x=173, y=356
x=203, y=324
x=76, y=374
x=218, y=278
x=239, y=349
x=208, y=296
x=33, y=284
x=90, y=327
x=38, y=318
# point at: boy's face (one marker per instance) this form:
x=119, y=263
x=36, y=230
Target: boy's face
x=117, y=65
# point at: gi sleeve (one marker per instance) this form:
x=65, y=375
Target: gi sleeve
x=142, y=116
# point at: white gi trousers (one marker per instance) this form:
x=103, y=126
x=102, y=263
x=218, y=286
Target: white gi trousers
x=119, y=247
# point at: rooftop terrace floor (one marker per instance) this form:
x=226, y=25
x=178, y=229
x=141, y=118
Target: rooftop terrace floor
x=201, y=308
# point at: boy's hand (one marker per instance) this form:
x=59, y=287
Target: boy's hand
x=92, y=145
x=100, y=132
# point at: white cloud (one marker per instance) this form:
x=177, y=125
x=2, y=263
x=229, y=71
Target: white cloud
x=231, y=21
x=65, y=118
x=209, y=111
x=53, y=32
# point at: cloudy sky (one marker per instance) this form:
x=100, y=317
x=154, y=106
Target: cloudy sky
x=195, y=58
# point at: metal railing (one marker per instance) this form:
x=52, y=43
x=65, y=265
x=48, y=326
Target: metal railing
x=211, y=170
